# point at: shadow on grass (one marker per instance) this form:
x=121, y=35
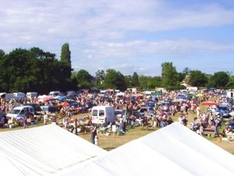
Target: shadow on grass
x=109, y=148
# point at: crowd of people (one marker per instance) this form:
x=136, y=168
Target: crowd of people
x=168, y=108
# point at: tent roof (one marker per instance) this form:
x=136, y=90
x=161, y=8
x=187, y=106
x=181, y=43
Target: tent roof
x=170, y=150
x=43, y=150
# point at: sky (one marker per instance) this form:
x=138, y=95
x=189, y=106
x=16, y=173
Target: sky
x=126, y=35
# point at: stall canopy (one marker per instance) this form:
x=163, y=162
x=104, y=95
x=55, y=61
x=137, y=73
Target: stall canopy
x=173, y=150
x=43, y=151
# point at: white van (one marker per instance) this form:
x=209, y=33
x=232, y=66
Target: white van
x=54, y=93
x=32, y=94
x=7, y=96
x=19, y=95
x=103, y=114
x=18, y=112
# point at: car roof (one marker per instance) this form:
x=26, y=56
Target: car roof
x=21, y=107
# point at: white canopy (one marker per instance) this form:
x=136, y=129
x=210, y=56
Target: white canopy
x=43, y=151
x=173, y=150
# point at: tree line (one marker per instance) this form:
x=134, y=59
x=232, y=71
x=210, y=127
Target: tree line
x=25, y=70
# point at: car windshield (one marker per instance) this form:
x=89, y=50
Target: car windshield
x=15, y=111
x=118, y=112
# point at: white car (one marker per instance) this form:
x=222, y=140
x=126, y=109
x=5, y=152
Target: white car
x=19, y=112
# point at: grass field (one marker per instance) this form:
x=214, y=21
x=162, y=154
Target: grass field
x=110, y=142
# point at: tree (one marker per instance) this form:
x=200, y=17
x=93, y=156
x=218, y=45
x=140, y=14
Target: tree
x=181, y=76
x=84, y=79
x=32, y=70
x=2, y=53
x=22, y=65
x=143, y=80
x=128, y=79
x=100, y=76
x=47, y=70
x=197, y=78
x=155, y=82
x=230, y=83
x=219, y=80
x=65, y=59
x=115, y=80
x=169, y=75
x=186, y=71
x=135, y=80
x=66, y=54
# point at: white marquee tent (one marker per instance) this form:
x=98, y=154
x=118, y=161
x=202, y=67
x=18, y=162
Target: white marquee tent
x=173, y=150
x=50, y=150
x=43, y=151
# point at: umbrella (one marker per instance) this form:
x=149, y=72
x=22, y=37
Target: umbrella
x=200, y=95
x=191, y=95
x=61, y=98
x=49, y=99
x=64, y=103
x=156, y=93
x=209, y=103
x=181, y=97
x=178, y=100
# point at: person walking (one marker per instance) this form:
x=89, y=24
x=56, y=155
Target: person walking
x=25, y=122
x=93, y=134
x=75, y=126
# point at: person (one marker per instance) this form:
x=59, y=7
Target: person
x=96, y=140
x=114, y=128
x=46, y=118
x=121, y=122
x=93, y=134
x=27, y=118
x=198, y=111
x=125, y=121
x=75, y=126
x=25, y=122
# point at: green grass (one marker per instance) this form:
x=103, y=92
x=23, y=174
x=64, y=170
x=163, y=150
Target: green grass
x=111, y=142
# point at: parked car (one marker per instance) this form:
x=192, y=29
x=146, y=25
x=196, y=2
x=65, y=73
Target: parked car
x=224, y=110
x=138, y=114
x=73, y=103
x=49, y=108
x=37, y=109
x=119, y=112
x=147, y=111
x=19, y=112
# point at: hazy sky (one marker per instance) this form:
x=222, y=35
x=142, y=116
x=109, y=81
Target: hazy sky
x=126, y=35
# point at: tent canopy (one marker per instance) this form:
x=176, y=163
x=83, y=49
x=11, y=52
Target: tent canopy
x=51, y=150
x=170, y=150
x=43, y=150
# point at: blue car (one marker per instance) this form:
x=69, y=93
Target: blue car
x=224, y=110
